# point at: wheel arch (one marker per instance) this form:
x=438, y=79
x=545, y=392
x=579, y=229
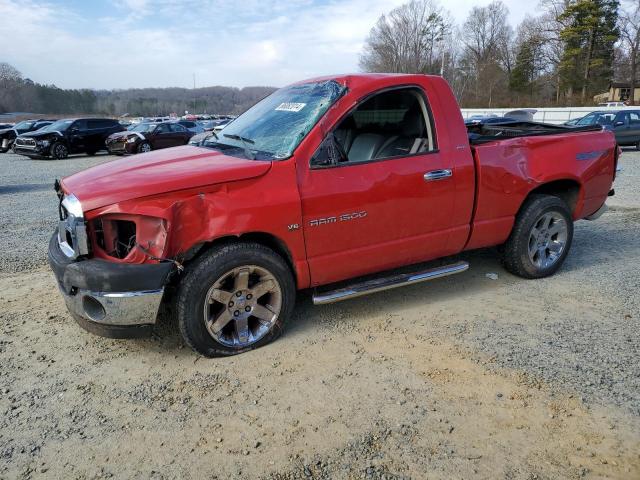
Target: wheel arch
x=568, y=190
x=266, y=239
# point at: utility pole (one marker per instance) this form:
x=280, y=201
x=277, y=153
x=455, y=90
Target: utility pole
x=194, y=94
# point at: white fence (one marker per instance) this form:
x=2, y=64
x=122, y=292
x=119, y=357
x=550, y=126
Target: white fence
x=545, y=115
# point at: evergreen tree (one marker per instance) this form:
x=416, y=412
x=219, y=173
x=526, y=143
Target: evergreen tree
x=590, y=35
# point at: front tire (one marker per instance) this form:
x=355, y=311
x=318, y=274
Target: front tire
x=59, y=151
x=235, y=298
x=541, y=238
x=144, y=147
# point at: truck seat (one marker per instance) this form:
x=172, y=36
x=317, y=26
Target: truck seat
x=365, y=146
x=412, y=139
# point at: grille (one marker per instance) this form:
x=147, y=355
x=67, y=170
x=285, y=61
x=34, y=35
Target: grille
x=25, y=142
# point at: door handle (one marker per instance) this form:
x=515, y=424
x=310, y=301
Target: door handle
x=437, y=175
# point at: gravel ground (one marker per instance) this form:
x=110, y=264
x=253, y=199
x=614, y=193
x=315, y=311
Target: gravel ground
x=29, y=209
x=466, y=377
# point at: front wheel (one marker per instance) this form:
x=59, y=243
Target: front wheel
x=235, y=298
x=541, y=238
x=59, y=151
x=144, y=147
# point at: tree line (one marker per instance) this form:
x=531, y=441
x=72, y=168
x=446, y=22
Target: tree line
x=19, y=94
x=566, y=55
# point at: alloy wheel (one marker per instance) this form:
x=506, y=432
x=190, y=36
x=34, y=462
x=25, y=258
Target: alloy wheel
x=60, y=151
x=242, y=306
x=547, y=240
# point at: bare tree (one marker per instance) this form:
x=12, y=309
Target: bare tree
x=9, y=72
x=410, y=39
x=629, y=25
x=487, y=39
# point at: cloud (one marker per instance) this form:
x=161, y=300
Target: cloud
x=138, y=43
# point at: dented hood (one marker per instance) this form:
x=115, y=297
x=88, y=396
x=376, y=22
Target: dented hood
x=158, y=172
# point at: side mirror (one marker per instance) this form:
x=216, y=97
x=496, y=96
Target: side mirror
x=330, y=153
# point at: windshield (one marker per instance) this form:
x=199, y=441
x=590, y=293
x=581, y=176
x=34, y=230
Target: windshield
x=274, y=127
x=23, y=126
x=598, y=118
x=144, y=127
x=59, y=126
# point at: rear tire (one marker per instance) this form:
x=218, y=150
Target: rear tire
x=541, y=238
x=234, y=298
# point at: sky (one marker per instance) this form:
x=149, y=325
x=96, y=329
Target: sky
x=106, y=44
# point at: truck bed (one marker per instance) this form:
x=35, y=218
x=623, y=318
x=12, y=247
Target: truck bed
x=511, y=160
x=481, y=133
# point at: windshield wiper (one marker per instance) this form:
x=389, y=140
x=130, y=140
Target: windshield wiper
x=245, y=141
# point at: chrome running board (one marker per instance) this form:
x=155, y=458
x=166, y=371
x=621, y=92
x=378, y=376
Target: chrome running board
x=387, y=283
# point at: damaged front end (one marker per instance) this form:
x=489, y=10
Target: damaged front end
x=109, y=268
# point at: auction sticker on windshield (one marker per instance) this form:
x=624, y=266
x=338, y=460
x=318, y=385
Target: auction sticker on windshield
x=290, y=107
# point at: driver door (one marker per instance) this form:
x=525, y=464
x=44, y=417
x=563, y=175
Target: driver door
x=77, y=136
x=388, y=199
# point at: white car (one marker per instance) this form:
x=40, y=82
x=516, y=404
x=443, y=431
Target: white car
x=612, y=104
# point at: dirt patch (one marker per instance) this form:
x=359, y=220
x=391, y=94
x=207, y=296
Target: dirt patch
x=373, y=396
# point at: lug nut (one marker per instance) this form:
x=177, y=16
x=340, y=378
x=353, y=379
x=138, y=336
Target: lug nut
x=247, y=309
x=238, y=294
x=249, y=296
x=231, y=304
x=236, y=313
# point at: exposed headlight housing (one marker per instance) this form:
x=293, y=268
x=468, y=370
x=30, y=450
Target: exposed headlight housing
x=43, y=143
x=131, y=139
x=129, y=238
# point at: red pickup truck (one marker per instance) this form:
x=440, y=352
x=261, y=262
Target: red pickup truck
x=325, y=184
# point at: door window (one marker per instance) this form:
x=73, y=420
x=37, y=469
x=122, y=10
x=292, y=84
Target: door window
x=176, y=127
x=634, y=119
x=390, y=124
x=162, y=128
x=80, y=125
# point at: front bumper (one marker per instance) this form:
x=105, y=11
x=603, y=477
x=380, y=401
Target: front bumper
x=121, y=147
x=31, y=151
x=5, y=143
x=110, y=299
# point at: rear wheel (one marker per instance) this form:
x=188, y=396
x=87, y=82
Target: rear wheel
x=541, y=238
x=234, y=299
x=59, y=151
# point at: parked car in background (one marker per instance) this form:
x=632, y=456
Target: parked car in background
x=208, y=125
x=4, y=126
x=625, y=124
x=487, y=120
x=612, y=104
x=63, y=137
x=573, y=122
x=145, y=137
x=193, y=126
x=201, y=138
x=8, y=135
